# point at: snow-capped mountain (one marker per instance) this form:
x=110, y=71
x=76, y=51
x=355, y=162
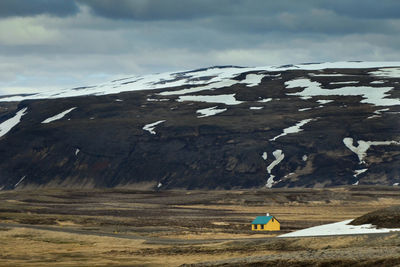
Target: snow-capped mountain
x=307, y=125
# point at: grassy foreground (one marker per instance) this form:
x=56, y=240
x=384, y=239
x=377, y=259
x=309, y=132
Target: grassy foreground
x=122, y=227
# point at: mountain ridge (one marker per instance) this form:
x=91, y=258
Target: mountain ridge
x=310, y=125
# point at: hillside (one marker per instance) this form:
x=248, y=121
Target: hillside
x=383, y=218
x=311, y=125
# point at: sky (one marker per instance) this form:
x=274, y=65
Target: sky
x=53, y=44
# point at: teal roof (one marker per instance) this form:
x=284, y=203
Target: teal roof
x=262, y=220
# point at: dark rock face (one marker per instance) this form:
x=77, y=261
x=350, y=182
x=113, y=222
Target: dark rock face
x=102, y=143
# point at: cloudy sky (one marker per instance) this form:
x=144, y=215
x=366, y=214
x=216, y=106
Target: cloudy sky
x=47, y=44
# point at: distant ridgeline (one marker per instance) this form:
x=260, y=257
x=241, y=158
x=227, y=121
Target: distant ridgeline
x=310, y=125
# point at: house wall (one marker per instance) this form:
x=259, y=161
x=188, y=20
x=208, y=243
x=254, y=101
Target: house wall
x=272, y=225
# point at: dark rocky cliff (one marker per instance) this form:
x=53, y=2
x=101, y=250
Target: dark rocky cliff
x=102, y=143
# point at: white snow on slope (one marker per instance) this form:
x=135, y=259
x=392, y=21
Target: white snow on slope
x=58, y=116
x=279, y=156
x=20, y=181
x=347, y=82
x=328, y=74
x=372, y=95
x=224, y=99
x=270, y=181
x=265, y=100
x=358, y=172
x=7, y=125
x=322, y=102
x=339, y=228
x=150, y=127
x=264, y=156
x=363, y=146
x=256, y=108
x=378, y=113
x=377, y=82
x=206, y=112
x=293, y=129
x=252, y=80
x=211, y=86
x=203, y=77
x=387, y=73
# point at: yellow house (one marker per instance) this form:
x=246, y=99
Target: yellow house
x=265, y=223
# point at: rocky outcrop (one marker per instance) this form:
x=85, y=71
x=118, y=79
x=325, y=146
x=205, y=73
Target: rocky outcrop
x=157, y=137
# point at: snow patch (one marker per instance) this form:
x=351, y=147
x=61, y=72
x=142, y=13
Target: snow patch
x=356, y=183
x=150, y=127
x=387, y=73
x=363, y=146
x=377, y=82
x=270, y=181
x=328, y=74
x=264, y=156
x=157, y=99
x=358, y=172
x=279, y=156
x=372, y=95
x=256, y=108
x=288, y=175
x=212, y=86
x=7, y=125
x=339, y=228
x=20, y=181
x=322, y=102
x=304, y=158
x=210, y=78
x=347, y=82
x=252, y=80
x=378, y=113
x=265, y=100
x=224, y=99
x=58, y=116
x=304, y=109
x=293, y=129
x=77, y=151
x=206, y=112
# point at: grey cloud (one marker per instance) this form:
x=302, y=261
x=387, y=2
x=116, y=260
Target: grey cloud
x=159, y=9
x=77, y=38
x=9, y=8
x=191, y=9
x=371, y=9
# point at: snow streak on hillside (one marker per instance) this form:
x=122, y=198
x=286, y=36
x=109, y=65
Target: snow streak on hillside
x=7, y=125
x=203, y=79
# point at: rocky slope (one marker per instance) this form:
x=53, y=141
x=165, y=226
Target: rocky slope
x=311, y=125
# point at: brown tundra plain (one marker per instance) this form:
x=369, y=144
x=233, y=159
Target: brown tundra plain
x=126, y=227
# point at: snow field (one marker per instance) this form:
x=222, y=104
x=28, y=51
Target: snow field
x=363, y=146
x=206, y=112
x=339, y=228
x=372, y=95
x=7, y=125
x=205, y=79
x=150, y=127
x=58, y=116
x=293, y=129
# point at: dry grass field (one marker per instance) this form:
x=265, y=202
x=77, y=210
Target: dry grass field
x=121, y=227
